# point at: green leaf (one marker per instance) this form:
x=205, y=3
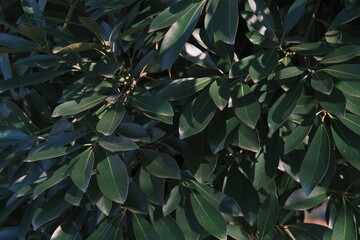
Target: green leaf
x=111, y=119
x=133, y=131
x=171, y=15
x=352, y=122
x=187, y=220
x=288, y=72
x=284, y=106
x=220, y=92
x=268, y=214
x=196, y=116
x=112, y=177
x=263, y=66
x=219, y=200
x=342, y=54
x=49, y=210
x=347, y=142
x=151, y=104
x=80, y=47
x=346, y=15
x=136, y=201
x=334, y=103
x=209, y=218
x=32, y=12
x=236, y=232
x=195, y=55
x=76, y=106
x=167, y=228
x=316, y=161
x=293, y=16
x=81, y=173
x=296, y=137
x=346, y=71
x=178, y=34
x=352, y=104
x=172, y=201
x=248, y=139
x=182, y=88
x=142, y=229
x=117, y=144
x=52, y=153
x=153, y=187
x=103, y=231
x=30, y=79
x=15, y=42
x=159, y=164
x=92, y=26
x=345, y=225
x=322, y=82
x=349, y=87
x=241, y=67
x=299, y=200
x=316, y=48
x=69, y=229
x=245, y=105
x=221, y=21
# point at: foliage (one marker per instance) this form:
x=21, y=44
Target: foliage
x=165, y=119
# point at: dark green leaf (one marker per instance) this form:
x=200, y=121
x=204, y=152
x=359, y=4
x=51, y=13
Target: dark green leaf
x=80, y=47
x=73, y=196
x=241, y=67
x=236, y=232
x=178, y=34
x=346, y=15
x=117, y=144
x=220, y=92
x=153, y=187
x=76, y=106
x=209, y=218
x=352, y=122
x=113, y=177
x=173, y=201
x=345, y=226
x=160, y=164
x=111, y=119
x=268, y=214
x=288, y=72
x=81, y=172
x=352, y=104
x=294, y=14
x=299, y=200
x=69, y=229
x=136, y=201
x=197, y=56
x=322, y=82
x=263, y=15
x=187, y=220
x=346, y=71
x=284, y=106
x=167, y=228
x=263, y=66
x=103, y=231
x=248, y=139
x=342, y=54
x=92, y=26
x=133, y=131
x=151, y=104
x=349, y=87
x=142, y=229
x=196, y=116
x=334, y=103
x=316, y=160
x=246, y=106
x=296, y=137
x=52, y=153
x=15, y=42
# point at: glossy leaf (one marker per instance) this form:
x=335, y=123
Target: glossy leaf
x=52, y=153
x=316, y=160
x=349, y=87
x=136, y=201
x=117, y=144
x=113, y=177
x=268, y=214
x=152, y=105
x=346, y=71
x=263, y=15
x=342, y=54
x=220, y=92
x=288, y=72
x=352, y=122
x=246, y=106
x=197, y=56
x=111, y=119
x=81, y=172
x=284, y=106
x=237, y=232
x=209, y=218
x=167, y=228
x=143, y=229
x=299, y=200
x=172, y=201
x=264, y=65
x=346, y=15
x=248, y=139
x=296, y=137
x=293, y=15
x=12, y=41
x=152, y=186
x=335, y=103
x=345, y=226
x=322, y=83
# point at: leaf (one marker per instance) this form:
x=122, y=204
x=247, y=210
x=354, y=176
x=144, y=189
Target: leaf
x=263, y=66
x=32, y=12
x=293, y=16
x=171, y=15
x=49, y=210
x=346, y=15
x=133, y=131
x=219, y=200
x=159, y=164
x=334, y=103
x=315, y=48
x=352, y=122
x=268, y=214
x=136, y=201
x=236, y=232
x=263, y=15
x=346, y=142
x=52, y=153
x=241, y=67
x=322, y=82
x=345, y=225
x=178, y=34
x=76, y=106
x=221, y=21
x=195, y=55
x=316, y=161
x=296, y=137
x=220, y=92
x=255, y=22
x=142, y=229
x=288, y=72
x=196, y=116
x=92, y=26
x=182, y=88
x=15, y=42
x=167, y=228
x=346, y=71
x=69, y=229
x=151, y=104
x=352, y=104
x=102, y=232
x=153, y=187
x=248, y=139
x=117, y=144
x=172, y=201
x=187, y=221
x=284, y=106
x=112, y=177
x=209, y=218
x=299, y=200
x=111, y=119
x=349, y=87
x=245, y=105
x=342, y=54
x=80, y=47
x=81, y=173
x=30, y=79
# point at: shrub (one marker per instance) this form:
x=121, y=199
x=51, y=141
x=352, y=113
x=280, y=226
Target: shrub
x=179, y=119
